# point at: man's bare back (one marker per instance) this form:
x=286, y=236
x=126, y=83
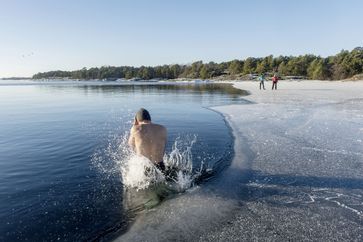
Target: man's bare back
x=148, y=139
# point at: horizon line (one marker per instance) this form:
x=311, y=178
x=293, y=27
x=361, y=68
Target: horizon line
x=184, y=64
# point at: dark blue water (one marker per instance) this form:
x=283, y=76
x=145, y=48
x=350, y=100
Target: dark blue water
x=50, y=189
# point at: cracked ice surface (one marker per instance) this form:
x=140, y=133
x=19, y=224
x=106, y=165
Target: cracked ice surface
x=306, y=168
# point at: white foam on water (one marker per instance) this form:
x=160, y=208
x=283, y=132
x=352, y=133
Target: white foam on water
x=138, y=172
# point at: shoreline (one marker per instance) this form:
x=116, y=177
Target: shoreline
x=216, y=79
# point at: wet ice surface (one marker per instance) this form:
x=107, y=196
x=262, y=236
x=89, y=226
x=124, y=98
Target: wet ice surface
x=305, y=170
x=297, y=172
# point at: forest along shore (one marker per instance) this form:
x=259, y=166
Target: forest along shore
x=305, y=179
x=343, y=65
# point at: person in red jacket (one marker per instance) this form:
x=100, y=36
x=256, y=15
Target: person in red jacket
x=275, y=79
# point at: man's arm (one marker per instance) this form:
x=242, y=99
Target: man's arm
x=132, y=134
x=165, y=136
x=131, y=140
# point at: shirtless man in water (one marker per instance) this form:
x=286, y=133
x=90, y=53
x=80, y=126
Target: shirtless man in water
x=148, y=139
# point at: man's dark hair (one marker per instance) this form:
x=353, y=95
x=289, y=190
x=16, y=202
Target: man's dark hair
x=143, y=115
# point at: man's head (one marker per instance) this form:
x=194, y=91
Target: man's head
x=143, y=115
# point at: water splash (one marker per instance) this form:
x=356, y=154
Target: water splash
x=138, y=172
x=179, y=163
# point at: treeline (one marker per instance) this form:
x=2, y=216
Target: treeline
x=340, y=66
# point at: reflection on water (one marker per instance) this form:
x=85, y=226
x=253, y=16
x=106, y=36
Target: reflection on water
x=155, y=88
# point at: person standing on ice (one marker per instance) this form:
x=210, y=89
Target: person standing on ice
x=261, y=78
x=148, y=139
x=275, y=79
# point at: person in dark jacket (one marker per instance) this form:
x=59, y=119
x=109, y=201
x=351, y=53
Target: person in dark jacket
x=275, y=79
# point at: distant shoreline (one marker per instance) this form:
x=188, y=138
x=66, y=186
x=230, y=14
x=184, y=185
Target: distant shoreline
x=195, y=80
x=177, y=80
x=345, y=65
x=15, y=78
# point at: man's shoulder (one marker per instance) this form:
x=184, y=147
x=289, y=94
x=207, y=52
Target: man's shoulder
x=136, y=128
x=160, y=127
x=145, y=127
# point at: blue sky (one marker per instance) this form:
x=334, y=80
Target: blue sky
x=42, y=35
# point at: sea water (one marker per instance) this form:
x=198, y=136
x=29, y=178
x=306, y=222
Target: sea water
x=66, y=172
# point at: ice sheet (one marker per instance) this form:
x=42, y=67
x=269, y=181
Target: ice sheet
x=297, y=173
